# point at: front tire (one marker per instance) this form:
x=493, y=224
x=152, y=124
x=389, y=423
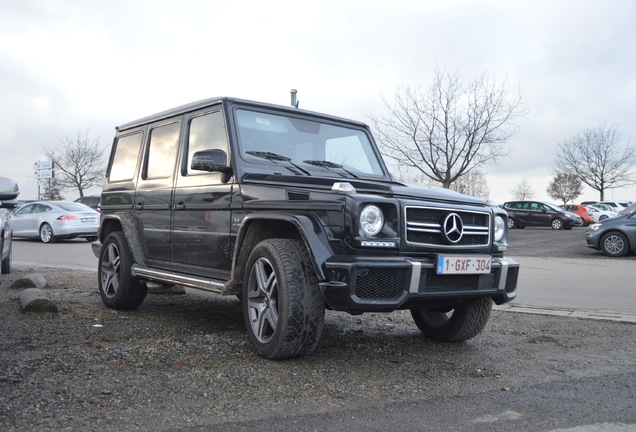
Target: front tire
x=615, y=244
x=46, y=233
x=283, y=307
x=118, y=288
x=557, y=224
x=459, y=324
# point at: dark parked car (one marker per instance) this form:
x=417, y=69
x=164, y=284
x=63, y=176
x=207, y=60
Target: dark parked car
x=8, y=193
x=293, y=212
x=614, y=236
x=537, y=213
x=92, y=201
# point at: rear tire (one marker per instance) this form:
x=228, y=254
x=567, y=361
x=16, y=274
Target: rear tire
x=459, y=324
x=118, y=288
x=5, y=268
x=511, y=223
x=283, y=307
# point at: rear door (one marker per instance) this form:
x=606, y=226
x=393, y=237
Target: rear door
x=153, y=202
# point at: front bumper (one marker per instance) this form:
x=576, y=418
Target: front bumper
x=359, y=285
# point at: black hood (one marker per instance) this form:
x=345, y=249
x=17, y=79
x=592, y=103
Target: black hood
x=369, y=186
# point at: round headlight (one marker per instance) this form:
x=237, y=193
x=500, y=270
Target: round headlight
x=500, y=228
x=371, y=220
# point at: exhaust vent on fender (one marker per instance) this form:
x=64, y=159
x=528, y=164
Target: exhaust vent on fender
x=298, y=196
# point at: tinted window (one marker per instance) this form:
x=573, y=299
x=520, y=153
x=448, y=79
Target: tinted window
x=125, y=160
x=26, y=209
x=206, y=132
x=162, y=151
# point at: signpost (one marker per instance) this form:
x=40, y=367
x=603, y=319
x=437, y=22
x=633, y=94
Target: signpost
x=44, y=170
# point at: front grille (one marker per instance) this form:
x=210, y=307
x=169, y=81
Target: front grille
x=380, y=282
x=430, y=282
x=425, y=226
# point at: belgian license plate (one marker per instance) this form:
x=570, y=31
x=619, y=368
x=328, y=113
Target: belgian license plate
x=463, y=264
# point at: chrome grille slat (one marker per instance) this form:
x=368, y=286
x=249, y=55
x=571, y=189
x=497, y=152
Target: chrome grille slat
x=424, y=226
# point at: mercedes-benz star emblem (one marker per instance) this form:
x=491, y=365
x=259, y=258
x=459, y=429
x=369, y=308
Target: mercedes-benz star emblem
x=453, y=228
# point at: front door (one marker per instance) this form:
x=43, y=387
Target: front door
x=201, y=211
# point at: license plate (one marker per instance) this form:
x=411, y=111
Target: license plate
x=460, y=264
x=92, y=219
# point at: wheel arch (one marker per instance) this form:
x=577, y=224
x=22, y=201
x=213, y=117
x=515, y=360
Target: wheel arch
x=126, y=223
x=258, y=227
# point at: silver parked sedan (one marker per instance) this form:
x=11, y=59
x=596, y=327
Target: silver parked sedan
x=55, y=220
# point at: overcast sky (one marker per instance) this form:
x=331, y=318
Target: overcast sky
x=69, y=65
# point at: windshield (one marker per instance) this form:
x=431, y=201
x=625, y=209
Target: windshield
x=552, y=207
x=305, y=144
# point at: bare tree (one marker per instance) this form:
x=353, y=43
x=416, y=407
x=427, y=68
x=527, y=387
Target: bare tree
x=523, y=190
x=51, y=190
x=449, y=130
x=598, y=158
x=79, y=162
x=565, y=187
x=474, y=183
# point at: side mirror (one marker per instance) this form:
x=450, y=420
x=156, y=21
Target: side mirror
x=212, y=160
x=8, y=193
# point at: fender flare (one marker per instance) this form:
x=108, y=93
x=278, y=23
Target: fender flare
x=129, y=225
x=310, y=230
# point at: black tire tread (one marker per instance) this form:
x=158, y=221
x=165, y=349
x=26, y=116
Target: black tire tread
x=300, y=328
x=466, y=322
x=131, y=291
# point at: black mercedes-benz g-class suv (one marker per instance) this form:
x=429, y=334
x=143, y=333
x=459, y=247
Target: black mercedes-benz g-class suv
x=293, y=212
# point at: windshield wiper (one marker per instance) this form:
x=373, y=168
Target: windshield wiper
x=329, y=165
x=275, y=157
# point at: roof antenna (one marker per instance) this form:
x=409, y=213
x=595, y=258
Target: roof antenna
x=294, y=101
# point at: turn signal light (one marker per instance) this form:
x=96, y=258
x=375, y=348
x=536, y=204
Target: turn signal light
x=67, y=218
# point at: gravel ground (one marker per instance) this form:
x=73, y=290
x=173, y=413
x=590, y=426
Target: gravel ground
x=184, y=360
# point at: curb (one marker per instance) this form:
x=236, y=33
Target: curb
x=36, y=301
x=33, y=280
x=601, y=315
x=32, y=298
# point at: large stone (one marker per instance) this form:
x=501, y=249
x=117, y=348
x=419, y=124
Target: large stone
x=37, y=301
x=34, y=280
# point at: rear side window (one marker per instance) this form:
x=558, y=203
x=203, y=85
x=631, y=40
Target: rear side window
x=125, y=159
x=162, y=151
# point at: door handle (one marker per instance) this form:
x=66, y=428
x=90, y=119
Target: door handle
x=180, y=206
x=139, y=206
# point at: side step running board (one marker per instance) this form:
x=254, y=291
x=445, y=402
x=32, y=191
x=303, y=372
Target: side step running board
x=178, y=279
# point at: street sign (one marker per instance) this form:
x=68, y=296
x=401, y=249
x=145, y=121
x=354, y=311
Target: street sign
x=45, y=165
x=44, y=174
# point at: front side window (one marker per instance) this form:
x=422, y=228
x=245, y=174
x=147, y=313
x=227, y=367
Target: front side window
x=162, y=151
x=207, y=132
x=125, y=158
x=308, y=144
